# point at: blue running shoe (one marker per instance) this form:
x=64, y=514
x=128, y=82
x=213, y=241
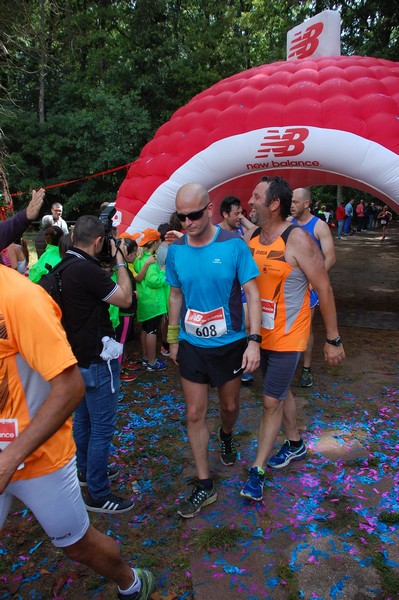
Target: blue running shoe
x=247, y=378
x=253, y=489
x=286, y=454
x=159, y=365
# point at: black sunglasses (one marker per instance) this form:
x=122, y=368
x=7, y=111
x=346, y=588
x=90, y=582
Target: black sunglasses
x=192, y=216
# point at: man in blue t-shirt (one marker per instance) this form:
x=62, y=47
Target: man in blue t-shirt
x=206, y=269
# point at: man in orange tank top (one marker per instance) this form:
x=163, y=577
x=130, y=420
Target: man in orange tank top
x=288, y=259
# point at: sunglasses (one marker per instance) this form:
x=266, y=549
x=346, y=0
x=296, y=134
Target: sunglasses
x=192, y=216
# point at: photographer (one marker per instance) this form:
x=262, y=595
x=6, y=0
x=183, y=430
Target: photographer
x=87, y=290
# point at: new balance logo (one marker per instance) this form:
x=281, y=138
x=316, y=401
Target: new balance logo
x=290, y=143
x=305, y=44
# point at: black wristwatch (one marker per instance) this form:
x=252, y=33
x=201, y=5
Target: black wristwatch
x=335, y=342
x=254, y=337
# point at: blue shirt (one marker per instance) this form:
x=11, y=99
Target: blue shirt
x=309, y=227
x=210, y=278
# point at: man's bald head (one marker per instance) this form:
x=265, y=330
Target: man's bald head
x=300, y=202
x=193, y=193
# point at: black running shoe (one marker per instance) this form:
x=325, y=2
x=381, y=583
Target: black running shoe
x=113, y=473
x=199, y=498
x=111, y=504
x=228, y=450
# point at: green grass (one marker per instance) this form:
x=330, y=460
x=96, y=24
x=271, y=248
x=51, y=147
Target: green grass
x=389, y=518
x=221, y=538
x=288, y=580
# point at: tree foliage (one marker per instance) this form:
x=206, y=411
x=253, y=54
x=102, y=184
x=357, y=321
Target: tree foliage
x=86, y=84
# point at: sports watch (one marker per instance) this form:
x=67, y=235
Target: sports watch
x=335, y=342
x=255, y=337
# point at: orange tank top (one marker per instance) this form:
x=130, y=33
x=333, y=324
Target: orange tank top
x=284, y=292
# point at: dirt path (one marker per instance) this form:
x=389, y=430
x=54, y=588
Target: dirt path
x=328, y=525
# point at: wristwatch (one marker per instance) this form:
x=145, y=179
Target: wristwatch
x=254, y=337
x=335, y=342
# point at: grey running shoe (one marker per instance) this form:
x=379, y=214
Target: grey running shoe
x=147, y=586
x=199, y=498
x=228, y=450
x=306, y=379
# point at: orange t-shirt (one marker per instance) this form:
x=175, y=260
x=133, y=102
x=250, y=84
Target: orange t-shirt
x=284, y=293
x=33, y=350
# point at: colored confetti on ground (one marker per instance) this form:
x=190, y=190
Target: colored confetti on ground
x=327, y=527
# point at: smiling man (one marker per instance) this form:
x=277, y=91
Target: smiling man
x=206, y=269
x=288, y=260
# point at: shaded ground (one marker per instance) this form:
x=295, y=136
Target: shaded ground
x=328, y=526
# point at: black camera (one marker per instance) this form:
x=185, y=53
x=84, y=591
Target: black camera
x=105, y=256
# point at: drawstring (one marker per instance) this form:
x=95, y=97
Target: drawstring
x=111, y=350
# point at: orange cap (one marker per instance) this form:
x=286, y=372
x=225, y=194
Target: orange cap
x=129, y=236
x=149, y=235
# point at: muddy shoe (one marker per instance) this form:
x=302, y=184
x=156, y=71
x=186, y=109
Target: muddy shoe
x=199, y=498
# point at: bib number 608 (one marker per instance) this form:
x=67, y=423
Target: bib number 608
x=206, y=331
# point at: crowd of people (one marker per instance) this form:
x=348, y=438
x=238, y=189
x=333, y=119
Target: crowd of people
x=364, y=216
x=220, y=296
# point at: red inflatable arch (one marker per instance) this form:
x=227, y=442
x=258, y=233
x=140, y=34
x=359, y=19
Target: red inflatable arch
x=327, y=120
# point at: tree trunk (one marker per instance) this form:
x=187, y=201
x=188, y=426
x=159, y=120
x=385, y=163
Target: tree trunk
x=42, y=62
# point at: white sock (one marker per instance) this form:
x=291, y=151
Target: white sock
x=135, y=587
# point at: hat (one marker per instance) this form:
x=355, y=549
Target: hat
x=149, y=235
x=47, y=220
x=129, y=236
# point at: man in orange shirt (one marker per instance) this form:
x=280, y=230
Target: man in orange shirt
x=288, y=260
x=40, y=387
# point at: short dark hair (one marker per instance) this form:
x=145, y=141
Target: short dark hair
x=130, y=245
x=53, y=234
x=279, y=188
x=227, y=204
x=175, y=223
x=163, y=229
x=87, y=229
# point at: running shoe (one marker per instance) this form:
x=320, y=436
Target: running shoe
x=131, y=365
x=159, y=365
x=199, y=498
x=306, y=379
x=147, y=586
x=127, y=376
x=111, y=504
x=286, y=454
x=247, y=378
x=253, y=489
x=165, y=351
x=228, y=450
x=112, y=472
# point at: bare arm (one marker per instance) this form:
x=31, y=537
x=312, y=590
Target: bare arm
x=251, y=357
x=175, y=303
x=67, y=390
x=323, y=233
x=12, y=255
x=246, y=223
x=122, y=296
x=303, y=252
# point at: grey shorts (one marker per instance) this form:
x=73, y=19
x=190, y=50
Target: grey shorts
x=278, y=369
x=55, y=500
x=215, y=366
